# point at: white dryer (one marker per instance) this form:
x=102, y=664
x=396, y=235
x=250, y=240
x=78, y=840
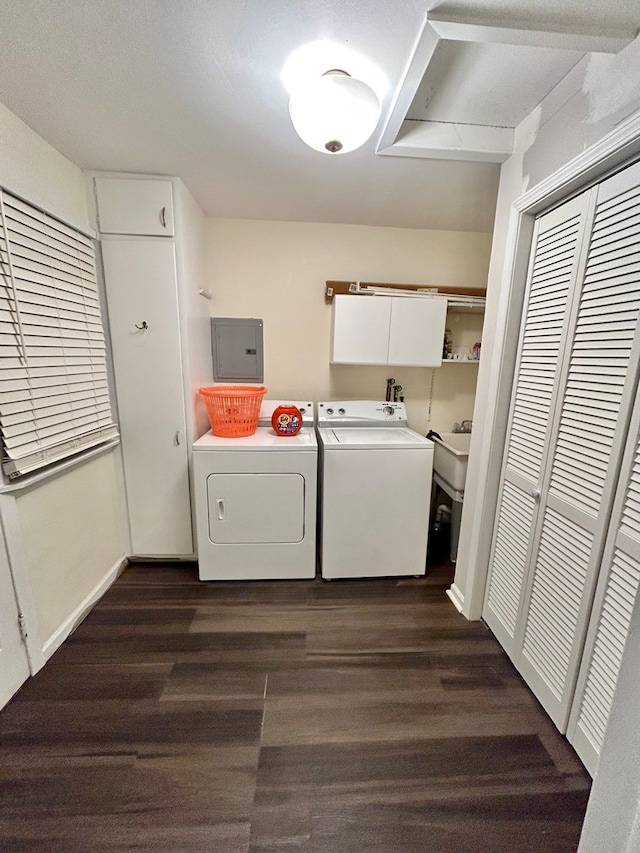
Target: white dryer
x=255, y=501
x=375, y=487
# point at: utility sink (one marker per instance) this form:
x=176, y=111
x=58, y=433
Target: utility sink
x=450, y=457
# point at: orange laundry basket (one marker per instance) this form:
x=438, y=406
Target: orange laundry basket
x=233, y=409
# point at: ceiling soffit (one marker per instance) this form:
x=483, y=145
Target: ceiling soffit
x=468, y=85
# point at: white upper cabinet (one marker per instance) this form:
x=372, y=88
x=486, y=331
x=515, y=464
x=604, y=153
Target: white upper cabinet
x=388, y=330
x=135, y=206
x=416, y=335
x=361, y=329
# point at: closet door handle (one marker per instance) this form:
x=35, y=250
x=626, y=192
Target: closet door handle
x=163, y=217
x=221, y=508
x=535, y=494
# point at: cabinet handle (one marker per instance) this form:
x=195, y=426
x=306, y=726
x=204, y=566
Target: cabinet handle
x=535, y=494
x=163, y=217
x=221, y=509
x=176, y=438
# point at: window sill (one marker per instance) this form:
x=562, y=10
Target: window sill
x=33, y=481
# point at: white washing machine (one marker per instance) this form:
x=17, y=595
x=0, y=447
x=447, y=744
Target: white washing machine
x=256, y=502
x=375, y=487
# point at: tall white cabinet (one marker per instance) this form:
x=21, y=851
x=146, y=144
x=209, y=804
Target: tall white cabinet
x=574, y=390
x=152, y=238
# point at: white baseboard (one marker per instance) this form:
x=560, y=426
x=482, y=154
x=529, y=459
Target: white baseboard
x=74, y=619
x=456, y=597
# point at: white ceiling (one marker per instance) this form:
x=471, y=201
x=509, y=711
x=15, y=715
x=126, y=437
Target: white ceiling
x=192, y=88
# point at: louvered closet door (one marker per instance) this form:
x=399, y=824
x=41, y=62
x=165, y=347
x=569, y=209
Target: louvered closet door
x=616, y=593
x=599, y=380
x=553, y=273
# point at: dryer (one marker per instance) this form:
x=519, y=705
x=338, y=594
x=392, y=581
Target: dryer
x=255, y=500
x=375, y=487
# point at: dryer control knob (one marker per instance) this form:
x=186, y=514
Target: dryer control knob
x=329, y=411
x=388, y=410
x=342, y=411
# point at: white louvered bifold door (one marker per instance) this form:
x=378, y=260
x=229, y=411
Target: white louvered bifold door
x=556, y=262
x=599, y=381
x=618, y=580
x=611, y=613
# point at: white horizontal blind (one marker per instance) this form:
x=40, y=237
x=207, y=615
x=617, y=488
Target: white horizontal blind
x=54, y=396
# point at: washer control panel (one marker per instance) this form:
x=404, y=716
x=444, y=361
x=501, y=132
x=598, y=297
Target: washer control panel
x=361, y=411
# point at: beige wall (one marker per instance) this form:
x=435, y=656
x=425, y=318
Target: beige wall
x=66, y=535
x=32, y=169
x=70, y=532
x=277, y=271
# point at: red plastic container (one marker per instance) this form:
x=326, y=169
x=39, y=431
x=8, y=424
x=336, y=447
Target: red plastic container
x=286, y=420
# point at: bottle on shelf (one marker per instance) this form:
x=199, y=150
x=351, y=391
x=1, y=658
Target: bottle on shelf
x=447, y=345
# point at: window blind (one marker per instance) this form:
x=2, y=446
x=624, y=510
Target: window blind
x=54, y=394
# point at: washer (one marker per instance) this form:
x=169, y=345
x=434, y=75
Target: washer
x=375, y=486
x=255, y=501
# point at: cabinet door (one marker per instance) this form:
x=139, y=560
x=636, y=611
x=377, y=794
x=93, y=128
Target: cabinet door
x=135, y=206
x=552, y=281
x=416, y=335
x=361, y=329
x=393, y=330
x=140, y=277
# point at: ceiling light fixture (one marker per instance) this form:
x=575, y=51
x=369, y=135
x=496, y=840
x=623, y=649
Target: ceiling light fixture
x=334, y=113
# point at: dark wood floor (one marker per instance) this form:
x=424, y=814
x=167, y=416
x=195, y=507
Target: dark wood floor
x=343, y=717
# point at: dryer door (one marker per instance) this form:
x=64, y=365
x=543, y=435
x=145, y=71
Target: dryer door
x=255, y=508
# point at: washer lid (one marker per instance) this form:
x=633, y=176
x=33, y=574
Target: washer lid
x=374, y=438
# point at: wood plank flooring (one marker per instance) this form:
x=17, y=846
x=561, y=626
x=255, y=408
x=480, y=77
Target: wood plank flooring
x=345, y=717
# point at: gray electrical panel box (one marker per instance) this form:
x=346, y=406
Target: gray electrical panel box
x=236, y=346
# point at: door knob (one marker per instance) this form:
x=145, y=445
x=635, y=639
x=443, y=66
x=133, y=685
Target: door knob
x=535, y=494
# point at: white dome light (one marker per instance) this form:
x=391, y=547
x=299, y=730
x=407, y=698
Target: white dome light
x=334, y=113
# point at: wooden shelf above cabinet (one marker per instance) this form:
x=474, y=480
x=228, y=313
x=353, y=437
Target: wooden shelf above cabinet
x=353, y=287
